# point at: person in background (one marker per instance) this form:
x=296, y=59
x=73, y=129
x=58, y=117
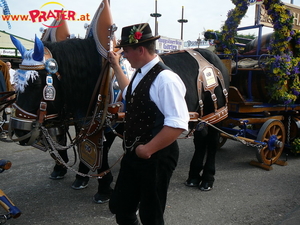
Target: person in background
x=156, y=114
x=11, y=73
x=5, y=86
x=6, y=75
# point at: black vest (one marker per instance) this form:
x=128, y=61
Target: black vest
x=143, y=120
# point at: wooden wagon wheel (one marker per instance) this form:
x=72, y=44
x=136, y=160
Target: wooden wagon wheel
x=273, y=133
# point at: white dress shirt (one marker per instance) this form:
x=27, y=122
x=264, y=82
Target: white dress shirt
x=167, y=92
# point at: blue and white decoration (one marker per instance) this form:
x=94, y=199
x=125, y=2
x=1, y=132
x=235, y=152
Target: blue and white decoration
x=32, y=59
x=6, y=11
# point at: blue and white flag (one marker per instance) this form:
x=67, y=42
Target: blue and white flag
x=6, y=11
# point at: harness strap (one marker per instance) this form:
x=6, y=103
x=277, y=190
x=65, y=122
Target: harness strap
x=101, y=91
x=42, y=112
x=207, y=80
x=26, y=115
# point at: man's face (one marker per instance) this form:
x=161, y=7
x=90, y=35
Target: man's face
x=8, y=65
x=132, y=55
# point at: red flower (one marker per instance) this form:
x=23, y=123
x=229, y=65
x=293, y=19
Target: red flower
x=138, y=35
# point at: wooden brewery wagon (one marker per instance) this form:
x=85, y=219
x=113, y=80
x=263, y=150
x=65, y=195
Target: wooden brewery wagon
x=270, y=127
x=254, y=118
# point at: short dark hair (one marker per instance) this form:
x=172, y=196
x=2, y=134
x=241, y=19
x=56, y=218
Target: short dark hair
x=149, y=45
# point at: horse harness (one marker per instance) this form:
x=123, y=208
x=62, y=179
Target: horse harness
x=207, y=81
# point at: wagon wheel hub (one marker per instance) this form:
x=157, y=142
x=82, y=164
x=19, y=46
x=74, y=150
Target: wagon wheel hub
x=274, y=143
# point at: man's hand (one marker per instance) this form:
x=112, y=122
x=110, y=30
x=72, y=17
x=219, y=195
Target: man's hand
x=142, y=152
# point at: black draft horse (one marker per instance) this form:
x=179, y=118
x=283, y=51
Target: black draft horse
x=79, y=66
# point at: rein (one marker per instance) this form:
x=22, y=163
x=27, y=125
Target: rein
x=3, y=102
x=103, y=96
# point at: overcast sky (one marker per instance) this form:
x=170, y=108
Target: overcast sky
x=201, y=15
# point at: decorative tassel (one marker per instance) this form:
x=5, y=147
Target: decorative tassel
x=22, y=77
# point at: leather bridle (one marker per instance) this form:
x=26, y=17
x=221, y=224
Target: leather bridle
x=26, y=121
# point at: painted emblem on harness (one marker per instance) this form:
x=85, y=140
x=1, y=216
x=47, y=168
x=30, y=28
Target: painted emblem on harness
x=209, y=77
x=49, y=91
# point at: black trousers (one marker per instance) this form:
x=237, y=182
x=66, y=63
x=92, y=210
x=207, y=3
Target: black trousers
x=143, y=184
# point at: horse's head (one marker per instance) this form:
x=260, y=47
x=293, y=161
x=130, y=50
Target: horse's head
x=37, y=88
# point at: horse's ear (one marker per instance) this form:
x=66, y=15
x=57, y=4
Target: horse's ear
x=38, y=52
x=18, y=45
x=62, y=31
x=58, y=31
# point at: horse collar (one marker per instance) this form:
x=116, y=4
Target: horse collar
x=208, y=80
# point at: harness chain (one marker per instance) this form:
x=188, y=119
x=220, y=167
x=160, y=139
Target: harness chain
x=53, y=146
x=258, y=146
x=289, y=130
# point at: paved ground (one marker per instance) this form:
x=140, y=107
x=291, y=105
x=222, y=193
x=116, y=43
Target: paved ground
x=242, y=194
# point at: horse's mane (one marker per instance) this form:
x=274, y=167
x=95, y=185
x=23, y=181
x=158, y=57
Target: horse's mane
x=79, y=65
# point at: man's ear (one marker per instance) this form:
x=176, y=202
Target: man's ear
x=141, y=49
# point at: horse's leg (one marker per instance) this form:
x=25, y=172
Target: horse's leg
x=81, y=182
x=60, y=170
x=209, y=169
x=196, y=164
x=104, y=188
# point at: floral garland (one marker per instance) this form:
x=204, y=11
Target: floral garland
x=229, y=29
x=283, y=75
x=283, y=68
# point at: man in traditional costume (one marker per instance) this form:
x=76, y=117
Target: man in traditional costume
x=156, y=114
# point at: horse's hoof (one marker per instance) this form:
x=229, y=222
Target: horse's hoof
x=58, y=174
x=79, y=184
x=206, y=186
x=102, y=198
x=192, y=182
